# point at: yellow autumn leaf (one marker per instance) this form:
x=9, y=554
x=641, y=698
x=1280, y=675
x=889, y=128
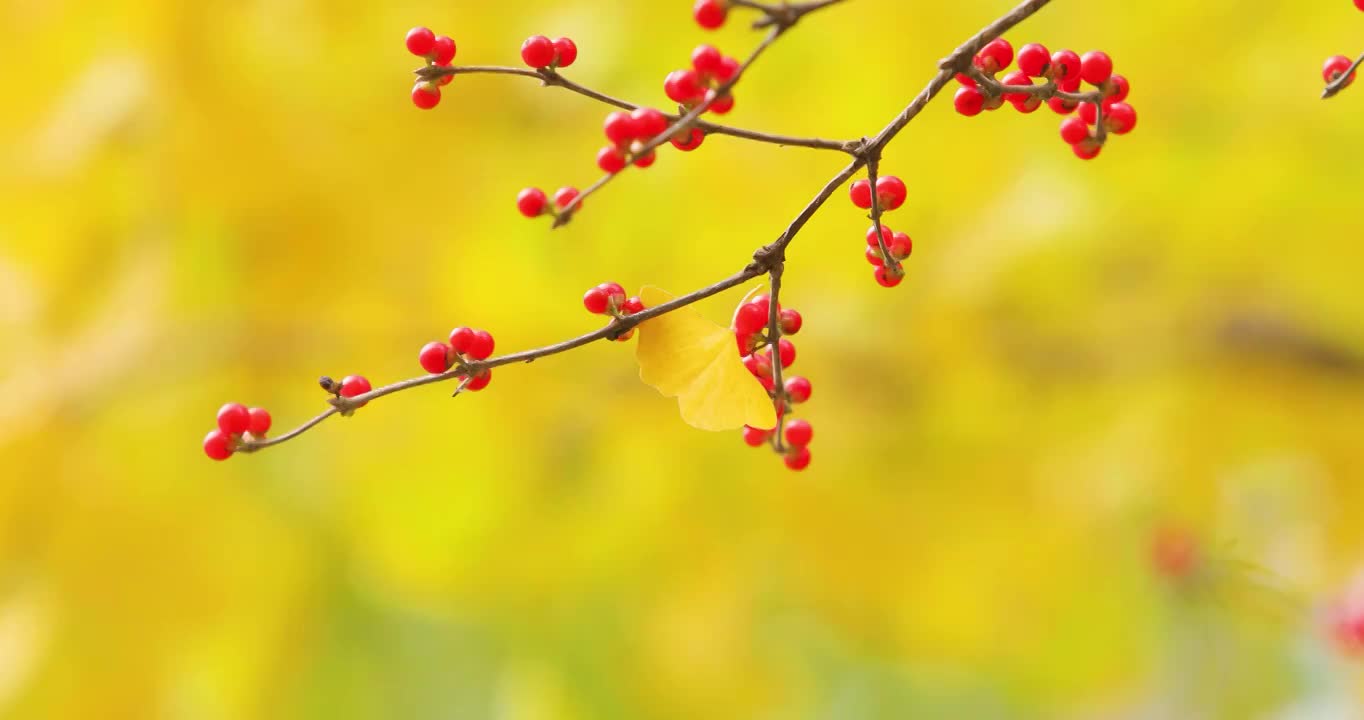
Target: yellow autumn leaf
x=684, y=355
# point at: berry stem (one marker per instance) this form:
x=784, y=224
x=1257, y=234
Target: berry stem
x=1339, y=83
x=784, y=14
x=1046, y=90
x=773, y=343
x=891, y=264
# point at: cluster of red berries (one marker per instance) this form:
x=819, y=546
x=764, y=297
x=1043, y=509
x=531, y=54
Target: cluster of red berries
x=540, y=52
x=629, y=133
x=1065, y=70
x=890, y=195
x=532, y=201
x=610, y=299
x=437, y=50
x=466, y=344
x=750, y=320
x=709, y=70
x=234, y=421
x=1338, y=65
x=710, y=14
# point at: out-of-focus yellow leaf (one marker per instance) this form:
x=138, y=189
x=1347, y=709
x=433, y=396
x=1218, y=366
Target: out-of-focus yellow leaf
x=686, y=356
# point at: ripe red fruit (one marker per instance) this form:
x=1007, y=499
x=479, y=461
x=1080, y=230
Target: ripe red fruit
x=610, y=160
x=645, y=160
x=1359, y=4
x=614, y=292
x=1120, y=118
x=799, y=433
x=480, y=381
x=537, y=51
x=966, y=80
x=1074, y=130
x=619, y=127
x=689, y=140
x=565, y=52
x=434, y=357
x=1061, y=105
x=758, y=364
x=1116, y=89
x=798, y=458
x=968, y=101
x=260, y=422
x=596, y=300
x=996, y=55
x=218, y=445
x=1087, y=149
x=420, y=40
x=426, y=95
x=749, y=319
x=790, y=321
x=683, y=87
x=1034, y=59
x=461, y=339
x=890, y=192
x=798, y=389
x=564, y=196
x=1065, y=66
x=531, y=202
x=721, y=104
x=764, y=301
x=233, y=418
x=1096, y=67
x=860, y=193
x=900, y=246
x=444, y=50
x=755, y=437
x=887, y=236
x=706, y=59
x=481, y=346
x=710, y=14
x=1088, y=113
x=648, y=122
x=728, y=70
x=874, y=256
x=888, y=278
x=1335, y=67
x=632, y=305
x=786, y=350
x=352, y=385
x=1016, y=78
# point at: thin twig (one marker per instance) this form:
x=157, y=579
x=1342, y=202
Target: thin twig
x=1339, y=83
x=774, y=347
x=890, y=263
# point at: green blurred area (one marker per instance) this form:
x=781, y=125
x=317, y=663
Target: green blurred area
x=205, y=202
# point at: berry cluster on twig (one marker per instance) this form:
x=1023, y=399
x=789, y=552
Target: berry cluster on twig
x=1339, y=71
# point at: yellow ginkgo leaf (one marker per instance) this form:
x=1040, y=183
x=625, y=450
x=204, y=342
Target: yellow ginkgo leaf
x=684, y=355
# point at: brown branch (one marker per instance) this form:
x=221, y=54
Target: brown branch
x=553, y=78
x=891, y=264
x=774, y=347
x=767, y=259
x=1339, y=83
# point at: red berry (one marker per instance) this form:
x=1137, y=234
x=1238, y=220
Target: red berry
x=887, y=236
x=352, y=385
x=648, y=122
x=481, y=347
x=632, y=305
x=620, y=127
x=728, y=70
x=480, y=381
x=610, y=160
x=790, y=321
x=749, y=319
x=745, y=341
x=1120, y=118
x=1096, y=67
x=564, y=196
x=444, y=80
x=1335, y=67
x=798, y=389
x=645, y=160
x=798, y=458
x=1065, y=66
x=683, y=87
x=1034, y=60
x=720, y=104
x=799, y=433
x=260, y=422
x=434, y=357
x=966, y=80
x=996, y=55
x=420, y=40
x=596, y=300
x=1359, y=4
x=755, y=437
x=1016, y=77
x=1074, y=130
x=764, y=301
x=218, y=445
x=758, y=364
x=565, y=52
x=888, y=278
x=1089, y=113
x=461, y=339
x=1061, y=105
x=444, y=50
x=969, y=101
x=1116, y=89
x=426, y=95
x=614, y=293
x=709, y=14
x=874, y=256
x=900, y=246
x=890, y=192
x=860, y=193
x=537, y=51
x=689, y=140
x=1087, y=149
x=786, y=350
x=233, y=418
x=531, y=202
x=705, y=59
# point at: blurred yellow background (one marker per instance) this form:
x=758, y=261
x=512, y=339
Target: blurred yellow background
x=214, y=201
